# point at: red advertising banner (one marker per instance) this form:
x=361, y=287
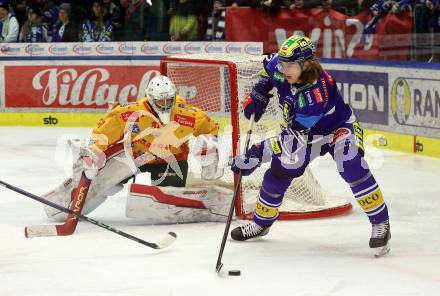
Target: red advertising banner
x=75, y=86
x=337, y=35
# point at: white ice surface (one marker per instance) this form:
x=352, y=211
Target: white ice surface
x=310, y=257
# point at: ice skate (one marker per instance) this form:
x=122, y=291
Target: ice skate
x=248, y=231
x=380, y=237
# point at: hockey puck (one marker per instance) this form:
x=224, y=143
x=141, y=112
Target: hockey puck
x=234, y=272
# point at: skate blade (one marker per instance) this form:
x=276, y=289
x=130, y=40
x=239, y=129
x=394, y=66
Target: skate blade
x=382, y=251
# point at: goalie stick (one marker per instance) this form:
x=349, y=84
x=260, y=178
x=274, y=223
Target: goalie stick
x=77, y=201
x=219, y=264
x=163, y=243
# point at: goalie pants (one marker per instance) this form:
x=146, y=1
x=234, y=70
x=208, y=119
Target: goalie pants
x=290, y=157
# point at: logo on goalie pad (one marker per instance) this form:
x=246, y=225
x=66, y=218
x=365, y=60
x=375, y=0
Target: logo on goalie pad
x=80, y=199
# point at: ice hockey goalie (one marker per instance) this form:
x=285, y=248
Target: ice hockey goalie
x=152, y=136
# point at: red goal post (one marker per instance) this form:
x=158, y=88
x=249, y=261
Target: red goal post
x=218, y=83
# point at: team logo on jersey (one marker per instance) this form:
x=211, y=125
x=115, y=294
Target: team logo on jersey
x=134, y=128
x=318, y=95
x=309, y=97
x=278, y=76
x=301, y=101
x=184, y=120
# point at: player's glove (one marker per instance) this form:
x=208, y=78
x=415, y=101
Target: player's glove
x=253, y=105
x=248, y=162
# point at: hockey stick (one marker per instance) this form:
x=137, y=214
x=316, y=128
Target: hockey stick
x=163, y=243
x=78, y=200
x=219, y=264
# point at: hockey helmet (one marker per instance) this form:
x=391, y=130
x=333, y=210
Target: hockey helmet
x=296, y=49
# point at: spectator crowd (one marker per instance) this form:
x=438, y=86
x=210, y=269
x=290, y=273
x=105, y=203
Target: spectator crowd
x=160, y=20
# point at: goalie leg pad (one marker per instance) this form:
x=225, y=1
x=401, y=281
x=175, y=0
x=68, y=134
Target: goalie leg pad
x=107, y=182
x=165, y=205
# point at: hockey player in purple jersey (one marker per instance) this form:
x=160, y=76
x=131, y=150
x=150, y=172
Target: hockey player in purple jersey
x=315, y=121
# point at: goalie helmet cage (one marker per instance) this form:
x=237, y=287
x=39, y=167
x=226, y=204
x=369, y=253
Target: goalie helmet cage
x=218, y=83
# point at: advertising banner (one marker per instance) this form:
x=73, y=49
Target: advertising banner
x=336, y=34
x=75, y=86
x=366, y=93
x=399, y=99
x=115, y=49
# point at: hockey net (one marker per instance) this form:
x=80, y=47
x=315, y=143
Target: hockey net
x=218, y=83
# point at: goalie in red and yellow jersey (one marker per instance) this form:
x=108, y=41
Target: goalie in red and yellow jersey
x=150, y=135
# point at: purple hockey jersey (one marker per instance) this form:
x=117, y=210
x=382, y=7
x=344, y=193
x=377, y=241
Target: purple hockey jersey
x=317, y=108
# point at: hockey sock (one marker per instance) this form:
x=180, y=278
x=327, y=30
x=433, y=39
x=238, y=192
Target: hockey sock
x=369, y=197
x=270, y=199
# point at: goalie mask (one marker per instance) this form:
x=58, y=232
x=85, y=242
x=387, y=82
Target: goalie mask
x=161, y=94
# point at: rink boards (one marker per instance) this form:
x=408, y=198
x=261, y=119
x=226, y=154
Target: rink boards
x=398, y=104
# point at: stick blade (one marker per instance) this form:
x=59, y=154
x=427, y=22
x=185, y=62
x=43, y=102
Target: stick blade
x=166, y=241
x=40, y=231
